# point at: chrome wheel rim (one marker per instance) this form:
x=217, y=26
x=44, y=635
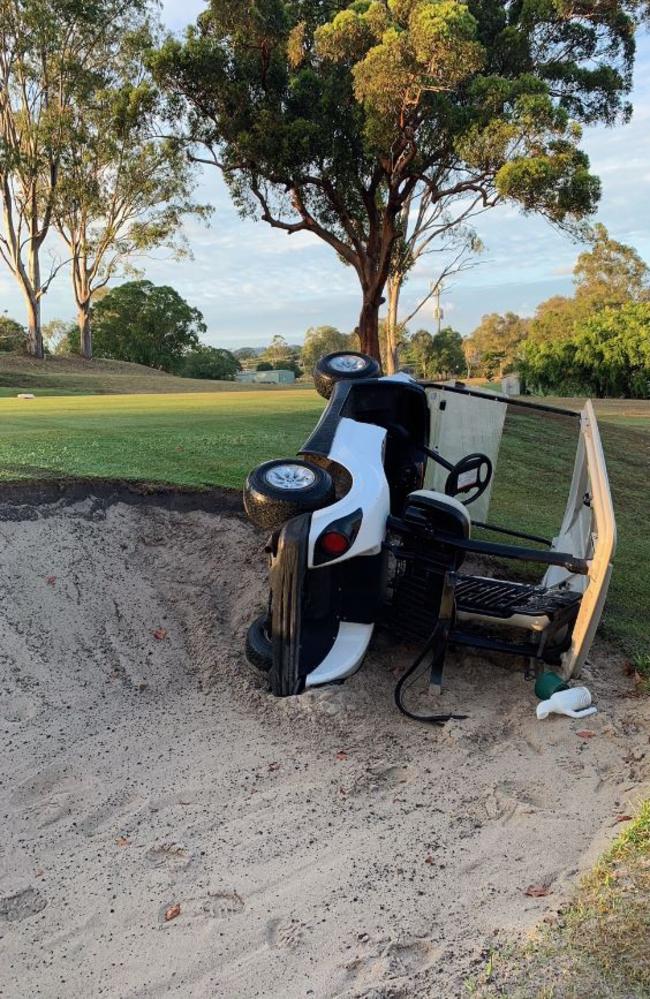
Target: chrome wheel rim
x=290, y=476
x=347, y=363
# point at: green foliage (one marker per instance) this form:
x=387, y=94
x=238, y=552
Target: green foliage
x=418, y=353
x=204, y=361
x=146, y=324
x=324, y=117
x=493, y=346
x=554, y=319
x=321, y=340
x=609, y=274
x=447, y=357
x=607, y=355
x=13, y=336
x=264, y=366
x=437, y=355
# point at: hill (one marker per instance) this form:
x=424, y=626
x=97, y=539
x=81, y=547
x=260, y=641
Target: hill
x=74, y=376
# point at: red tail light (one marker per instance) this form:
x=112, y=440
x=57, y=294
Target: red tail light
x=337, y=538
x=334, y=543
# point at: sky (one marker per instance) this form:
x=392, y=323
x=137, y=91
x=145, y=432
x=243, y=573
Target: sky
x=251, y=281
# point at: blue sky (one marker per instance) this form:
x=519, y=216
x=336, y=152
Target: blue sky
x=251, y=281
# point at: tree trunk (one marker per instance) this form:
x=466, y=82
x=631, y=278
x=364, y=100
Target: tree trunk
x=394, y=287
x=85, y=332
x=33, y=301
x=33, y=307
x=369, y=327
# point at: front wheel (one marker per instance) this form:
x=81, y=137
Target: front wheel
x=279, y=490
x=344, y=365
x=259, y=648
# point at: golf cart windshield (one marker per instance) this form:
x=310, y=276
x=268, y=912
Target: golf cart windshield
x=549, y=488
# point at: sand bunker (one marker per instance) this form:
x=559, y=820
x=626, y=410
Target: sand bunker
x=169, y=829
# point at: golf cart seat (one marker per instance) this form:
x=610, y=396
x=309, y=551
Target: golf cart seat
x=431, y=593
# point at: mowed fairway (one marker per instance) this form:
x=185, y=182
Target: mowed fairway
x=197, y=439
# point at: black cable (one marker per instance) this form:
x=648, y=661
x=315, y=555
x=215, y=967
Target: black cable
x=430, y=719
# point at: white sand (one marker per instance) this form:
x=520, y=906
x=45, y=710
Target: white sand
x=320, y=846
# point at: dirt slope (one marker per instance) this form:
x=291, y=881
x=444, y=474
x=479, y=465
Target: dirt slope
x=319, y=846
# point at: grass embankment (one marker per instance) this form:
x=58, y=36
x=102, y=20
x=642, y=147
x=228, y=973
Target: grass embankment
x=599, y=947
x=203, y=439
x=192, y=439
x=74, y=376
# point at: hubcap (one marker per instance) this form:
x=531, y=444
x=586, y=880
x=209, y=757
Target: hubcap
x=347, y=363
x=290, y=476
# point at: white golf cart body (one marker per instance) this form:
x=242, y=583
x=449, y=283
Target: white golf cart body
x=462, y=422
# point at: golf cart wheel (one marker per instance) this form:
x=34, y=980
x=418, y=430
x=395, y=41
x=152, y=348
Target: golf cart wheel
x=259, y=649
x=281, y=489
x=287, y=595
x=344, y=365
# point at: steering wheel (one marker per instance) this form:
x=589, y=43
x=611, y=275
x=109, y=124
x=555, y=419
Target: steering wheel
x=471, y=474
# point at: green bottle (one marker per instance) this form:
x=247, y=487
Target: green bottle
x=547, y=684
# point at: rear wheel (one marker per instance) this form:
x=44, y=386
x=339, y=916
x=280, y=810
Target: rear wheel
x=345, y=365
x=281, y=489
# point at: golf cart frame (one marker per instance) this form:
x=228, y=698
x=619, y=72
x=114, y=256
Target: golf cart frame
x=362, y=543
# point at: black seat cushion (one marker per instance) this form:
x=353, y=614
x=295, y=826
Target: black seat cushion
x=444, y=513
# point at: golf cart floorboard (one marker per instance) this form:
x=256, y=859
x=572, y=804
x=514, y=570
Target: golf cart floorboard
x=477, y=595
x=501, y=598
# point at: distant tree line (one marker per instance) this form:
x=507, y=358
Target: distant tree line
x=595, y=342
x=141, y=323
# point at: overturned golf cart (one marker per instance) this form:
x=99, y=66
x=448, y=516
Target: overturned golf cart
x=377, y=520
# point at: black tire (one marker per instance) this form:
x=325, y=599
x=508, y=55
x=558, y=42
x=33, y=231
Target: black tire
x=270, y=504
x=332, y=369
x=259, y=648
x=287, y=591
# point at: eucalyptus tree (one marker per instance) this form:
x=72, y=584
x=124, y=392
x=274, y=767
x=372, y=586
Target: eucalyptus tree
x=123, y=189
x=52, y=53
x=324, y=117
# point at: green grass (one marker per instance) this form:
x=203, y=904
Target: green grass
x=196, y=439
x=599, y=947
x=74, y=376
x=215, y=438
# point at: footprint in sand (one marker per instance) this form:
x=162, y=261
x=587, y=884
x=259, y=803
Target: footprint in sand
x=23, y=904
x=114, y=813
x=169, y=855
x=51, y=796
x=221, y=905
x=390, y=965
x=507, y=801
x=381, y=780
x=214, y=905
x=287, y=935
x=18, y=708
